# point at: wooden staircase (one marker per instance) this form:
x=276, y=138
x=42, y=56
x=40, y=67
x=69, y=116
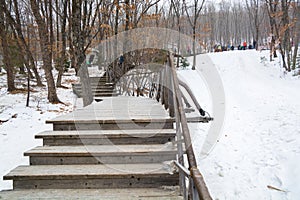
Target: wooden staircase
x=100, y=86
x=93, y=162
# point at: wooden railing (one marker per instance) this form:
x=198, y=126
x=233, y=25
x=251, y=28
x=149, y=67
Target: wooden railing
x=161, y=83
x=197, y=187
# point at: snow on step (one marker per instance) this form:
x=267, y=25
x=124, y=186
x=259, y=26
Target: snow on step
x=108, y=137
x=101, y=154
x=92, y=176
x=92, y=194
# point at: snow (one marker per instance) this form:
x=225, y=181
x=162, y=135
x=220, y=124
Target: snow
x=257, y=148
x=259, y=145
x=17, y=134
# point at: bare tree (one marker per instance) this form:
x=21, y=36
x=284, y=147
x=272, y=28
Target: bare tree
x=82, y=20
x=6, y=51
x=285, y=35
x=253, y=7
x=193, y=16
x=272, y=6
x=15, y=24
x=297, y=33
x=61, y=59
x=178, y=9
x=46, y=51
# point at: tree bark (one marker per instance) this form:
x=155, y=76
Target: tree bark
x=62, y=58
x=297, y=37
x=193, y=22
x=46, y=52
x=16, y=24
x=78, y=42
x=6, y=53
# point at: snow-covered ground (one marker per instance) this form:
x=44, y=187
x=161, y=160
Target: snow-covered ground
x=259, y=146
x=257, y=150
x=17, y=134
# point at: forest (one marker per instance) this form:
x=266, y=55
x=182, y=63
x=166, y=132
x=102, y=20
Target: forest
x=45, y=35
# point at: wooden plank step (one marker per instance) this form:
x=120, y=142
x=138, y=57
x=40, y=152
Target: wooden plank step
x=78, y=86
x=92, y=176
x=97, y=78
x=96, y=84
x=112, y=124
x=101, y=154
x=116, y=113
x=93, y=194
x=101, y=94
x=96, y=90
x=107, y=137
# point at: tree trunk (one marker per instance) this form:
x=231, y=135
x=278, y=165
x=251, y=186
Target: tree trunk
x=286, y=36
x=16, y=24
x=78, y=43
x=297, y=37
x=46, y=53
x=6, y=53
x=194, y=47
x=51, y=36
x=62, y=58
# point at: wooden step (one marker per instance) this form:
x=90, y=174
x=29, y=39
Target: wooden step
x=111, y=124
x=107, y=137
x=100, y=94
x=92, y=176
x=116, y=113
x=94, y=194
x=104, y=84
x=98, y=79
x=95, y=87
x=101, y=154
x=96, y=90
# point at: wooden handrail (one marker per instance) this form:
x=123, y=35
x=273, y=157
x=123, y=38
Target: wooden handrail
x=186, y=87
x=194, y=171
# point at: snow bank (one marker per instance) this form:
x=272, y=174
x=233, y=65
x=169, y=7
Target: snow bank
x=259, y=148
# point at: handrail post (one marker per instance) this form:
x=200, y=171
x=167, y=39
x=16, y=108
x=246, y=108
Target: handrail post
x=171, y=94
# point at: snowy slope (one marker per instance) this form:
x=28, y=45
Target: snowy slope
x=259, y=147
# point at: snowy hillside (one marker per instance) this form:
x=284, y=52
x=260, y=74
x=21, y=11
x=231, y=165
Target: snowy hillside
x=21, y=123
x=258, y=150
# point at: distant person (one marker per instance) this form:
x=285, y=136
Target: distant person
x=254, y=44
x=232, y=48
x=218, y=48
x=244, y=45
x=121, y=60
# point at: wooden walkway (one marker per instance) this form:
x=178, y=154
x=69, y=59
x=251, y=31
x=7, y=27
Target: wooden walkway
x=118, y=148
